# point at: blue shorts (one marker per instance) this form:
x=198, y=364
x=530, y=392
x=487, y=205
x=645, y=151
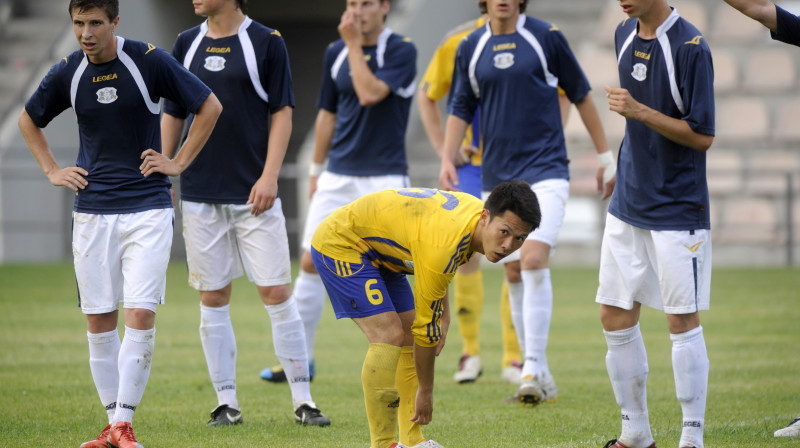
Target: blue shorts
x=469, y=179
x=361, y=290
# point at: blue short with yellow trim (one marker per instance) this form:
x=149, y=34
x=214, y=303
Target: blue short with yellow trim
x=469, y=179
x=361, y=290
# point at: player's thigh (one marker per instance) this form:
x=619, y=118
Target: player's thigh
x=263, y=245
x=684, y=269
x=333, y=191
x=469, y=179
x=370, y=184
x=211, y=252
x=145, y=255
x=627, y=272
x=360, y=289
x=97, y=258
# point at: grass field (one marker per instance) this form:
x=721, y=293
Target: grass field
x=48, y=398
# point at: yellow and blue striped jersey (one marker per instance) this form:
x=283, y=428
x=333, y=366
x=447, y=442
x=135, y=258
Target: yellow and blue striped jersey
x=417, y=231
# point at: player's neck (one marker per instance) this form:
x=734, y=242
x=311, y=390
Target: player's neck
x=371, y=38
x=504, y=25
x=225, y=24
x=649, y=22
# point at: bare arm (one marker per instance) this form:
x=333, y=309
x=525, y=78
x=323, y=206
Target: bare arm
x=762, y=11
x=453, y=135
x=72, y=177
x=323, y=136
x=431, y=121
x=424, y=362
x=265, y=191
x=171, y=128
x=679, y=131
x=606, y=173
x=203, y=124
x=369, y=89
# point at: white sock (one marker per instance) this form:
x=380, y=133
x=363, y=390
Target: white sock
x=135, y=359
x=626, y=362
x=515, y=295
x=690, y=366
x=103, y=356
x=537, y=309
x=288, y=336
x=309, y=295
x=219, y=346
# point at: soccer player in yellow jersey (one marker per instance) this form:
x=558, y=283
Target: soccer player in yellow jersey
x=364, y=250
x=468, y=282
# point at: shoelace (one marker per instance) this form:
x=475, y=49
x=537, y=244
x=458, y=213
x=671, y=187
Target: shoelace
x=126, y=433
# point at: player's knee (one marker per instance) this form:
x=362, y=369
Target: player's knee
x=306, y=263
x=275, y=295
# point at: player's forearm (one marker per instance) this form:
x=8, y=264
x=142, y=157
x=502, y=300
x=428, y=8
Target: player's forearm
x=37, y=143
x=324, y=128
x=431, y=121
x=455, y=129
x=591, y=120
x=424, y=361
x=762, y=11
x=202, y=126
x=171, y=128
x=675, y=129
x=369, y=89
x=279, y=133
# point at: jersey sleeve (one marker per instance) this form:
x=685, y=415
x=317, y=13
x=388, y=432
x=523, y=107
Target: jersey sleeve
x=788, y=27
x=328, y=92
x=462, y=101
x=429, y=291
x=278, y=79
x=563, y=64
x=177, y=84
x=696, y=75
x=170, y=107
x=400, y=65
x=436, y=81
x=51, y=97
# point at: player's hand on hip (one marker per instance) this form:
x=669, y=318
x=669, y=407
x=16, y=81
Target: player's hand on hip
x=155, y=162
x=423, y=408
x=72, y=177
x=262, y=195
x=621, y=102
x=448, y=177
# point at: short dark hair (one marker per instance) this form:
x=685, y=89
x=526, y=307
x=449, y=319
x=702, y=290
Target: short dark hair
x=242, y=5
x=516, y=197
x=482, y=6
x=111, y=7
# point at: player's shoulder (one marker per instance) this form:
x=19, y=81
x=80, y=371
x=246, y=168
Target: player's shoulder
x=258, y=30
x=627, y=25
x=400, y=41
x=187, y=36
x=538, y=25
x=145, y=51
x=685, y=35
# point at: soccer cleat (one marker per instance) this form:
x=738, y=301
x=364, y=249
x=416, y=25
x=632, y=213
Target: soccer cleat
x=512, y=374
x=532, y=392
x=427, y=444
x=791, y=430
x=613, y=443
x=224, y=415
x=397, y=445
x=308, y=414
x=275, y=374
x=121, y=436
x=100, y=442
x=469, y=369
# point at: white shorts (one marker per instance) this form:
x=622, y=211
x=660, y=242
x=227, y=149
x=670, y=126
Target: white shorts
x=337, y=190
x=552, y=195
x=220, y=238
x=121, y=258
x=668, y=270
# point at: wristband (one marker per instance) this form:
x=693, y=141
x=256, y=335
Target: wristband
x=606, y=160
x=315, y=169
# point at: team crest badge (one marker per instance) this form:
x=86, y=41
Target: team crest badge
x=409, y=264
x=107, y=95
x=639, y=72
x=215, y=63
x=504, y=60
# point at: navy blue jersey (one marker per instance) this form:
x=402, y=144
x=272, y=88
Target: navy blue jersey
x=249, y=74
x=788, y=27
x=515, y=79
x=117, y=105
x=661, y=185
x=370, y=141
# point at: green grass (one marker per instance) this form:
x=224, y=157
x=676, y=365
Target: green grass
x=47, y=398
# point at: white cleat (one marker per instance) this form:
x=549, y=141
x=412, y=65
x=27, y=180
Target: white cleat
x=512, y=374
x=427, y=444
x=533, y=392
x=469, y=369
x=791, y=430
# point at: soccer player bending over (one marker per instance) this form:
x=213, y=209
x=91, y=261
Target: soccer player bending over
x=364, y=250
